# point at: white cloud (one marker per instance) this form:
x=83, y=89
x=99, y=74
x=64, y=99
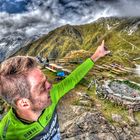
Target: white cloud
x=128, y=8
x=43, y=16
x=52, y=13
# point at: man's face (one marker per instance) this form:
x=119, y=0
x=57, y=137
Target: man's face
x=40, y=89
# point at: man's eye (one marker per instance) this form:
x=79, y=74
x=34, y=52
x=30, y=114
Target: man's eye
x=43, y=89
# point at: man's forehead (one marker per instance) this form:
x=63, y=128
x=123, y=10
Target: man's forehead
x=35, y=76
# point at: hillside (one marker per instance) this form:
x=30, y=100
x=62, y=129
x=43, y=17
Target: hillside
x=121, y=36
x=76, y=43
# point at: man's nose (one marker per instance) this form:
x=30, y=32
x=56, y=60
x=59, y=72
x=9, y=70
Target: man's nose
x=48, y=85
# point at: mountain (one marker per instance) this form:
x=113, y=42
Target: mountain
x=10, y=44
x=84, y=113
x=120, y=34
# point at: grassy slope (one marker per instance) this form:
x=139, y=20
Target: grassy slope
x=61, y=41
x=106, y=107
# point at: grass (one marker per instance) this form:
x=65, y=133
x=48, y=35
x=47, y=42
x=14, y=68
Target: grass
x=50, y=75
x=108, y=108
x=137, y=116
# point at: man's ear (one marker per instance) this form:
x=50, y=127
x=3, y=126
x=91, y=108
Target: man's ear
x=23, y=103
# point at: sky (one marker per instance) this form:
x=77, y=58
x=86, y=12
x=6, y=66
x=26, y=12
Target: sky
x=37, y=17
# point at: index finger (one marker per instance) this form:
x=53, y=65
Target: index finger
x=103, y=42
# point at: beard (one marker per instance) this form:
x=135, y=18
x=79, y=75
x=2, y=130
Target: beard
x=40, y=104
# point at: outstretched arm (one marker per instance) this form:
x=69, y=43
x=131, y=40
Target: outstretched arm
x=69, y=82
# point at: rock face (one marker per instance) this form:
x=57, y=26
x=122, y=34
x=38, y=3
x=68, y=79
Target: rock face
x=116, y=117
x=123, y=92
x=10, y=44
x=86, y=122
x=88, y=125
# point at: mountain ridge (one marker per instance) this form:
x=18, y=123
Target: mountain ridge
x=115, y=31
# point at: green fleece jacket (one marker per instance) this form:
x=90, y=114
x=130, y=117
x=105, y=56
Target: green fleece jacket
x=46, y=127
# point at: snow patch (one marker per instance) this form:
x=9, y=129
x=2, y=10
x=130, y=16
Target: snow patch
x=133, y=29
x=137, y=70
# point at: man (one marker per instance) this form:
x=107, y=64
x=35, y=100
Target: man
x=33, y=99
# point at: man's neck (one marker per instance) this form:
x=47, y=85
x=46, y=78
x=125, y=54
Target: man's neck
x=28, y=115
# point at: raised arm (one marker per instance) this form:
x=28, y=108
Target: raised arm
x=69, y=82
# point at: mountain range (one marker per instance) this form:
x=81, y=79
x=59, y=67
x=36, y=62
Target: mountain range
x=121, y=36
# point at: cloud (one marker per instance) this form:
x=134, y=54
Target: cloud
x=53, y=13
x=128, y=8
x=41, y=15
x=38, y=17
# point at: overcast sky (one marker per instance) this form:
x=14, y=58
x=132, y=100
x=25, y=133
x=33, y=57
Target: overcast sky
x=36, y=17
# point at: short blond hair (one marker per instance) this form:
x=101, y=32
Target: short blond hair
x=13, y=78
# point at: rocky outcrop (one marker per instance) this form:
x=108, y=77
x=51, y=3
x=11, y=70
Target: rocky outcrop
x=122, y=92
x=83, y=121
